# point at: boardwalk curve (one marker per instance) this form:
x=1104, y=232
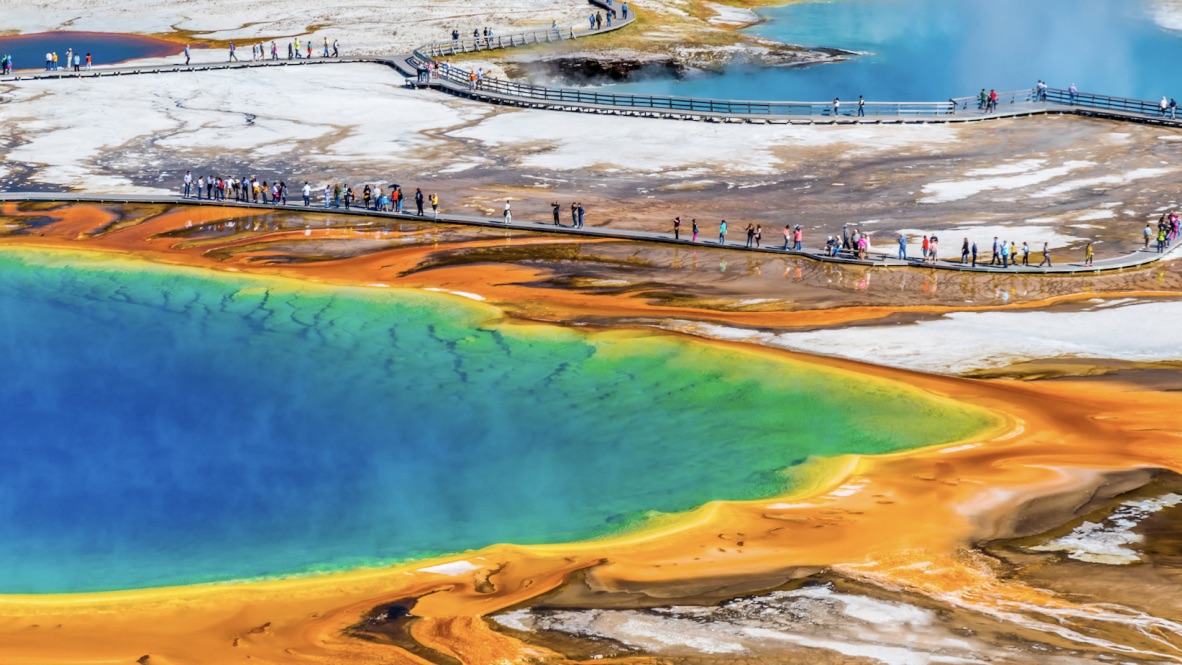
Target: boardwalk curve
x=454, y=80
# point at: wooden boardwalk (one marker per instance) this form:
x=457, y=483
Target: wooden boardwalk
x=454, y=80
x=366, y=218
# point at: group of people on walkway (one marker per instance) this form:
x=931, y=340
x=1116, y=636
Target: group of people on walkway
x=295, y=51
x=72, y=60
x=576, y=214
x=1004, y=253
x=335, y=195
x=1166, y=232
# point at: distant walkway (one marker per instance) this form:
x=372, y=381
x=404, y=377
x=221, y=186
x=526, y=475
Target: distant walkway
x=372, y=217
x=454, y=80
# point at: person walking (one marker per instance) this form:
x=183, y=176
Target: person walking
x=1046, y=256
x=758, y=235
x=996, y=260
x=973, y=250
x=1005, y=254
x=187, y=55
x=677, y=228
x=925, y=248
x=787, y=237
x=507, y=215
x=964, y=252
x=1025, y=254
x=1161, y=241
x=722, y=232
x=189, y=185
x=336, y=47
x=1088, y=255
x=89, y=62
x=992, y=100
x=624, y=11
x=933, y=247
x=1148, y=232
x=861, y=106
x=233, y=53
x=694, y=224
x=902, y=247
x=982, y=100
x=326, y=47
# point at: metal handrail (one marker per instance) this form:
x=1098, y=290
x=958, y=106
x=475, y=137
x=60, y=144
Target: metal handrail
x=1105, y=102
x=501, y=88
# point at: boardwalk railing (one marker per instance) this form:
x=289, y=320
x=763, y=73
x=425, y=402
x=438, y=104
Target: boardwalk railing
x=691, y=105
x=474, y=44
x=554, y=33
x=1103, y=102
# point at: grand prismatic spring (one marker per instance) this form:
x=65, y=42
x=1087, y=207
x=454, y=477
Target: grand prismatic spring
x=267, y=433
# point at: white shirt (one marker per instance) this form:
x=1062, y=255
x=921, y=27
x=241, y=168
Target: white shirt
x=307, y=190
x=188, y=178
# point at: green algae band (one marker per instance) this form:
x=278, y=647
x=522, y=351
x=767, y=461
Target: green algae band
x=165, y=426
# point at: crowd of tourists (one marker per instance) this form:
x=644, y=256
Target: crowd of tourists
x=851, y=243
x=295, y=51
x=72, y=60
x=251, y=189
x=1166, y=232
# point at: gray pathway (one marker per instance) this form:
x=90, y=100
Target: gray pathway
x=370, y=217
x=454, y=80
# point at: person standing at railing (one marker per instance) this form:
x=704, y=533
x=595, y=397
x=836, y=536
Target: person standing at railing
x=1163, y=105
x=982, y=100
x=1072, y=93
x=1173, y=109
x=992, y=100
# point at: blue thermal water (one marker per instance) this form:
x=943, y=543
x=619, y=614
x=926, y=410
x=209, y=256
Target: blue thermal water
x=931, y=50
x=162, y=426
